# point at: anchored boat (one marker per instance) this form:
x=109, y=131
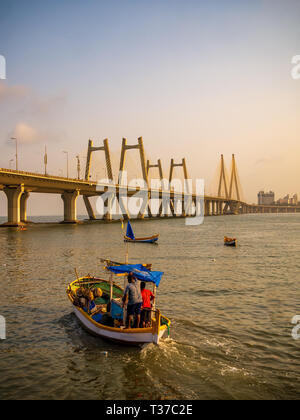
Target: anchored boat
x=230, y=241
x=129, y=237
x=104, y=315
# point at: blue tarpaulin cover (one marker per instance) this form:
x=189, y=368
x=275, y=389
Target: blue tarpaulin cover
x=129, y=232
x=139, y=271
x=116, y=311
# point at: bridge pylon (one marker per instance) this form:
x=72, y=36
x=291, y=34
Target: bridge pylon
x=222, y=179
x=91, y=149
x=139, y=146
x=185, y=204
x=234, y=180
x=158, y=165
x=231, y=203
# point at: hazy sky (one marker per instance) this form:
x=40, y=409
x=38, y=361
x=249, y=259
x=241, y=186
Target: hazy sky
x=194, y=78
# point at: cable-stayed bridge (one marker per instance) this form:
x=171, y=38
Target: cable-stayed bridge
x=116, y=193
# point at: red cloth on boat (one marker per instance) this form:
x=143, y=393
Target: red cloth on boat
x=147, y=296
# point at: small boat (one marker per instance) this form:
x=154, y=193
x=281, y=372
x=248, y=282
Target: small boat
x=105, y=317
x=22, y=228
x=129, y=237
x=230, y=241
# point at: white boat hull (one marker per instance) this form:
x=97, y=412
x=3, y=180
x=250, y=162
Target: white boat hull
x=129, y=336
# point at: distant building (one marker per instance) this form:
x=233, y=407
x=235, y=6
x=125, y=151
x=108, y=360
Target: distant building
x=295, y=199
x=288, y=201
x=283, y=201
x=266, y=199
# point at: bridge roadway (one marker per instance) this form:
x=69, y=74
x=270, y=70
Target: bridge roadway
x=17, y=185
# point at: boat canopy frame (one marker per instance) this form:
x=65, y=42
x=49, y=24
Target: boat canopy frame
x=139, y=271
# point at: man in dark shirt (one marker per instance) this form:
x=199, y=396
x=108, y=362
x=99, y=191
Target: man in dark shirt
x=135, y=300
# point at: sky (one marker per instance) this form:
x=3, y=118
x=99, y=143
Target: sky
x=195, y=79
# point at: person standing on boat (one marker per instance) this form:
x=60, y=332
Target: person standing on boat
x=148, y=297
x=135, y=300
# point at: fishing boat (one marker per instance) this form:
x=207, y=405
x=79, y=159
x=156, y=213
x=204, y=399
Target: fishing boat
x=105, y=317
x=22, y=228
x=129, y=237
x=230, y=241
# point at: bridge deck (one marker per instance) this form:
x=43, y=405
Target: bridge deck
x=21, y=183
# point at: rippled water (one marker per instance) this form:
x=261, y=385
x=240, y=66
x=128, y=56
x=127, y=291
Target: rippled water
x=231, y=312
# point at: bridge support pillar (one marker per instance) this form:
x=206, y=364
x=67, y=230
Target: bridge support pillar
x=183, y=209
x=23, y=207
x=210, y=208
x=109, y=204
x=220, y=208
x=205, y=208
x=69, y=199
x=216, y=212
x=13, y=194
x=207, y=204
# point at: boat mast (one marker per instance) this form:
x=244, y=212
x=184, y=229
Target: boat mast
x=154, y=292
x=126, y=255
x=111, y=287
x=126, y=243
